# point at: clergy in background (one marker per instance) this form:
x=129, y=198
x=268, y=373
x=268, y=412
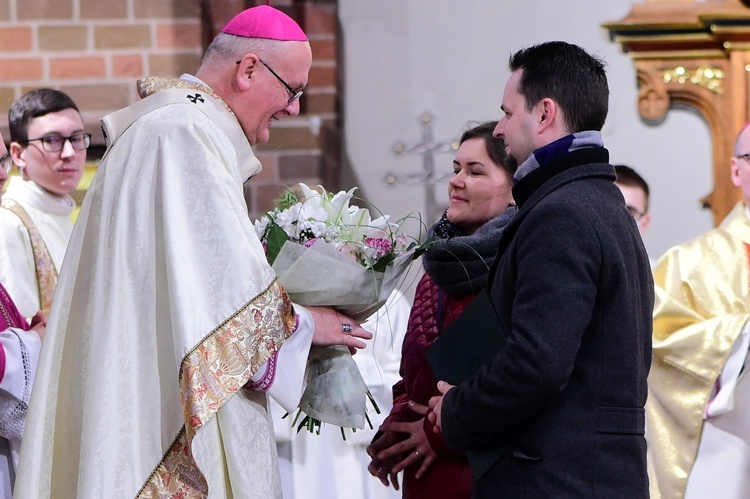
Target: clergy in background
x=48, y=145
x=698, y=409
x=20, y=343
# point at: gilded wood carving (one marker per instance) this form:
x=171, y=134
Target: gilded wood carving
x=697, y=54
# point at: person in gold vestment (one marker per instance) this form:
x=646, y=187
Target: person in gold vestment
x=698, y=429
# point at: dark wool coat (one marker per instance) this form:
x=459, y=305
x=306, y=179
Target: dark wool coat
x=572, y=288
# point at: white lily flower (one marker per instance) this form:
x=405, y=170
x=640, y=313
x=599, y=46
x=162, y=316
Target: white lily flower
x=329, y=235
x=339, y=205
x=260, y=226
x=313, y=211
x=330, y=217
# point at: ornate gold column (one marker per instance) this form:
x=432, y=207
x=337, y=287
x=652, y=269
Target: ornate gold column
x=697, y=54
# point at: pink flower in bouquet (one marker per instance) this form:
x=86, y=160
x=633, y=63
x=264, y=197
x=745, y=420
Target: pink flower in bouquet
x=351, y=250
x=401, y=243
x=381, y=245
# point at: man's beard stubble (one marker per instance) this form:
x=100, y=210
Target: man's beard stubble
x=511, y=162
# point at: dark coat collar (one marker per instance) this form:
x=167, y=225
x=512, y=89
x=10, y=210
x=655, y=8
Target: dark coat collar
x=575, y=165
x=529, y=184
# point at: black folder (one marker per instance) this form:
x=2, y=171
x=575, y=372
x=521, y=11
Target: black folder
x=470, y=342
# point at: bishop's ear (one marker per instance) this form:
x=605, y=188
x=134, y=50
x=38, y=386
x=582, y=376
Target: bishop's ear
x=246, y=67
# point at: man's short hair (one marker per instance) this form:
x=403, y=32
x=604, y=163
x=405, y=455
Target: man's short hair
x=630, y=178
x=33, y=104
x=567, y=74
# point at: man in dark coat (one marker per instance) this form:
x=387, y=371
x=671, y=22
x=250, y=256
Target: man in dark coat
x=561, y=407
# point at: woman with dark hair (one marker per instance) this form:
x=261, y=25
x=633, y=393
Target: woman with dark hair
x=456, y=266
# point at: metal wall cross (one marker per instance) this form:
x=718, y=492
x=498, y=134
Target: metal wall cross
x=428, y=177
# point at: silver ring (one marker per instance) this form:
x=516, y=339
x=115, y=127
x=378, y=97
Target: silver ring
x=346, y=328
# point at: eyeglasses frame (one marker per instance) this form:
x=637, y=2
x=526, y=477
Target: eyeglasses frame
x=295, y=94
x=86, y=141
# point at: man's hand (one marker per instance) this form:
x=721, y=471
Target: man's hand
x=332, y=328
x=436, y=404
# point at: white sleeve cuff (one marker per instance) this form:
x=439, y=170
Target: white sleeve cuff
x=723, y=398
x=283, y=376
x=21, y=359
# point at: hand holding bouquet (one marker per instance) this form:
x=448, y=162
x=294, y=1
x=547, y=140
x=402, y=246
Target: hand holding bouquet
x=329, y=253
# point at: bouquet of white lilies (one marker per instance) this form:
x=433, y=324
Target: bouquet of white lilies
x=329, y=253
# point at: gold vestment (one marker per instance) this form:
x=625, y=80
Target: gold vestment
x=701, y=306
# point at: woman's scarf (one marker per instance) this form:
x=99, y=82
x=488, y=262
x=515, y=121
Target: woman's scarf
x=458, y=263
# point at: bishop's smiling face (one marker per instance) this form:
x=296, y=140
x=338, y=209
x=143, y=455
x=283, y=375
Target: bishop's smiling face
x=267, y=99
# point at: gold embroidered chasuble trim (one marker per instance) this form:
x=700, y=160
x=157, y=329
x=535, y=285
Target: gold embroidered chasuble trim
x=701, y=307
x=44, y=267
x=213, y=372
x=151, y=84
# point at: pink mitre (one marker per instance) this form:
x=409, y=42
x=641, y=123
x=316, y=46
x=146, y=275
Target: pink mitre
x=264, y=21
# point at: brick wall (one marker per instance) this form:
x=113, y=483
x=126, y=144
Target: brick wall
x=94, y=50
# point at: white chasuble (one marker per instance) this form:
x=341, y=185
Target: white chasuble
x=165, y=308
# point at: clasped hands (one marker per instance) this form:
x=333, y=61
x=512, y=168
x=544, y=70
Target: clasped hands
x=403, y=444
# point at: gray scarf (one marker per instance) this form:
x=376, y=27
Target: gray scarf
x=458, y=263
x=564, y=145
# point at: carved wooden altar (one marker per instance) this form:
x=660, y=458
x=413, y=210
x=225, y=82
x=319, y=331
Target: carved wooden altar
x=694, y=53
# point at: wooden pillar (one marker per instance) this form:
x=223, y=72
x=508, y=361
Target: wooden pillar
x=693, y=53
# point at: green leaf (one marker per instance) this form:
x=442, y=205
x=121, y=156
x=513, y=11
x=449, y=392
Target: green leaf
x=419, y=249
x=286, y=200
x=383, y=262
x=275, y=239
